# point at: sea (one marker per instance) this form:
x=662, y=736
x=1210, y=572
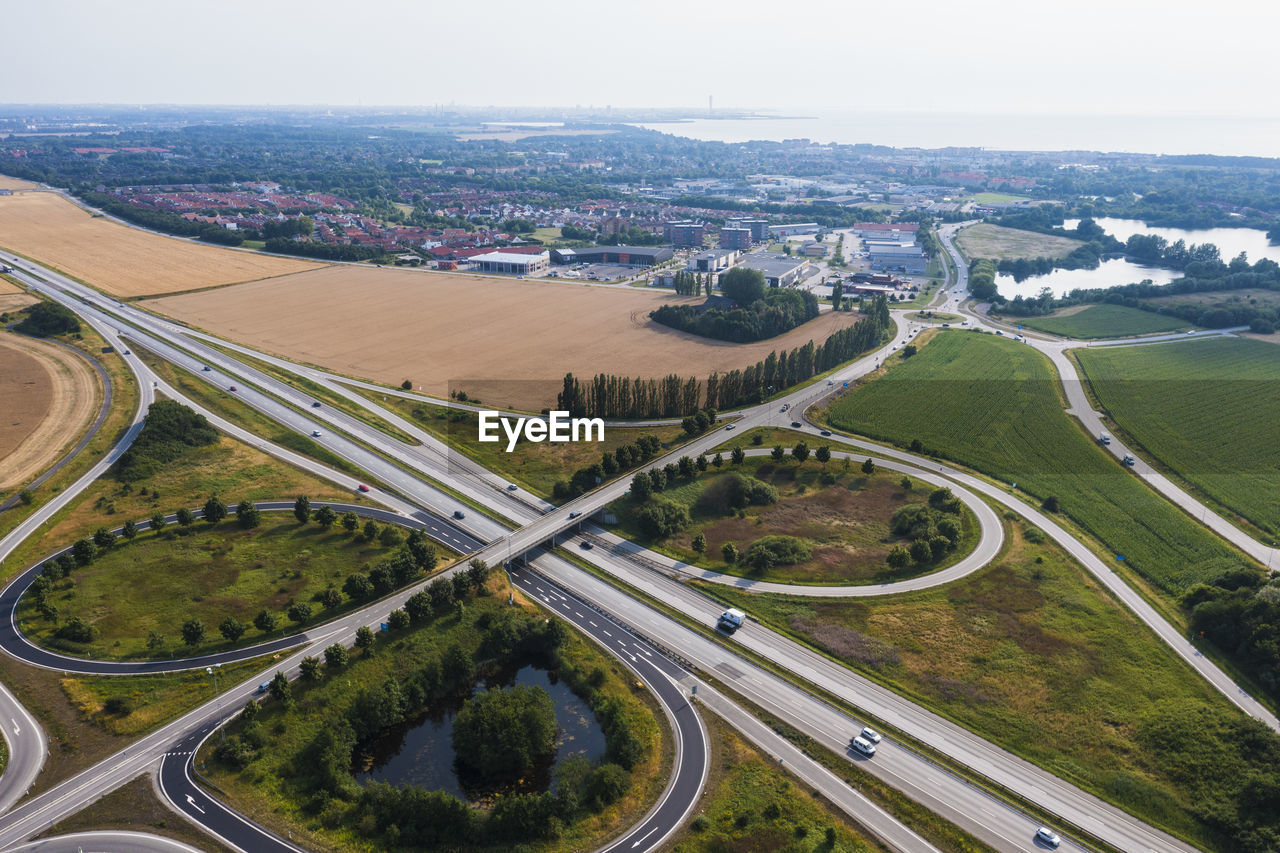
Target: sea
x=1253, y=136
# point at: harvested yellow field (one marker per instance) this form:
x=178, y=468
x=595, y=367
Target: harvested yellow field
x=509, y=342
x=8, y=183
x=48, y=396
x=124, y=261
x=10, y=302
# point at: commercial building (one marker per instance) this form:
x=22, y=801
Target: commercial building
x=759, y=228
x=907, y=258
x=685, y=233
x=814, y=250
x=778, y=270
x=735, y=238
x=712, y=260
x=898, y=232
x=626, y=256
x=793, y=229
x=513, y=263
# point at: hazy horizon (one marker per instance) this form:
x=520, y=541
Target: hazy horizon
x=982, y=57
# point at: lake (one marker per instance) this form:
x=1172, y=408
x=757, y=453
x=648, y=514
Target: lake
x=1230, y=241
x=420, y=751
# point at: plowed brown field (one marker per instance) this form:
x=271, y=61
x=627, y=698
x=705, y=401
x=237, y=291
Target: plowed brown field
x=121, y=260
x=48, y=396
x=506, y=341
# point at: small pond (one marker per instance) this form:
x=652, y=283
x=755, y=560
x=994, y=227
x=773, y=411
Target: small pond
x=419, y=751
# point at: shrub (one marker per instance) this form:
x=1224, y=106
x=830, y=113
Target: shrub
x=660, y=518
x=777, y=551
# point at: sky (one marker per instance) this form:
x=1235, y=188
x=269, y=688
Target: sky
x=1120, y=57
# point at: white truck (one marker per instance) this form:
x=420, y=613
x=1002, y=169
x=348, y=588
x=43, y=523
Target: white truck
x=730, y=620
x=1104, y=438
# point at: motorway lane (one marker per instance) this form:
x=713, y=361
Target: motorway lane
x=1004, y=768
x=194, y=802
x=1002, y=826
x=105, y=841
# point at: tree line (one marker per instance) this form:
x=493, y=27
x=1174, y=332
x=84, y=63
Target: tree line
x=609, y=396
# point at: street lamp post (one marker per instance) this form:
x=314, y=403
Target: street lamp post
x=213, y=670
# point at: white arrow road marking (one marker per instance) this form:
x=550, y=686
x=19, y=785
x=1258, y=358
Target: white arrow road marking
x=191, y=802
x=16, y=730
x=643, y=837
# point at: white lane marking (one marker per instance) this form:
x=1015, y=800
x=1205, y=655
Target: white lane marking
x=16, y=730
x=191, y=802
x=592, y=624
x=579, y=615
x=607, y=634
x=643, y=837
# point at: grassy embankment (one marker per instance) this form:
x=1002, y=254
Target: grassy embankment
x=275, y=786
x=534, y=466
x=845, y=523
x=224, y=404
x=1103, y=321
x=1033, y=654
x=1206, y=410
x=998, y=243
x=751, y=804
x=158, y=581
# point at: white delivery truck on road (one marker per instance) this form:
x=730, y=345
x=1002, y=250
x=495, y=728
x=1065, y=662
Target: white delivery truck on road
x=731, y=620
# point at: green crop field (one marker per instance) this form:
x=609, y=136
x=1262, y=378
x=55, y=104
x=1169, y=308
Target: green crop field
x=1104, y=321
x=994, y=405
x=1207, y=409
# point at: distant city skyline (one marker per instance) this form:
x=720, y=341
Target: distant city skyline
x=1125, y=57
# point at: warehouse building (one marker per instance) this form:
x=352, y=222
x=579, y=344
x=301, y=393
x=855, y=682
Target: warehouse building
x=712, y=260
x=626, y=256
x=793, y=229
x=512, y=263
x=778, y=270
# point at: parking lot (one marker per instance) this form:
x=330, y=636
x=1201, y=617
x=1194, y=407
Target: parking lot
x=595, y=272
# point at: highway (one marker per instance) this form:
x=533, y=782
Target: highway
x=546, y=527
x=105, y=841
